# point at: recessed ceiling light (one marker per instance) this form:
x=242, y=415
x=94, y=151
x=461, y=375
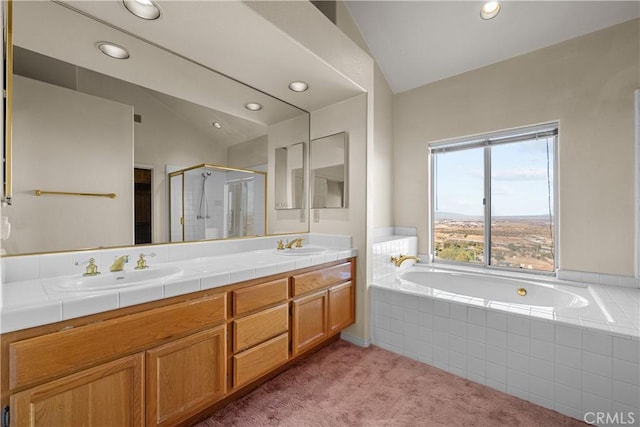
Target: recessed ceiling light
x=217, y=125
x=113, y=50
x=144, y=9
x=298, y=86
x=253, y=106
x=490, y=9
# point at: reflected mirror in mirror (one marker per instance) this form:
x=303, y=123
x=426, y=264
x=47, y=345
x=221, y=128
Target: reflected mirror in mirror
x=212, y=202
x=328, y=158
x=82, y=122
x=289, y=177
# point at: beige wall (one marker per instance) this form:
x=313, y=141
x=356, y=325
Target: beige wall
x=354, y=116
x=587, y=84
x=96, y=157
x=383, y=155
x=350, y=117
x=378, y=162
x=383, y=118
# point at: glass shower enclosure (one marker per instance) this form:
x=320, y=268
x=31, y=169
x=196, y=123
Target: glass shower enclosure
x=216, y=202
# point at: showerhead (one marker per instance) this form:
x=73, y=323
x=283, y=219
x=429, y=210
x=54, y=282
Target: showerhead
x=206, y=174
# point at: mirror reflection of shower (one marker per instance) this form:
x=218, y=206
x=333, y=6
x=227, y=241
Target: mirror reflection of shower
x=204, y=204
x=210, y=202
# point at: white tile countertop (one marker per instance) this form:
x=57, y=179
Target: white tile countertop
x=39, y=301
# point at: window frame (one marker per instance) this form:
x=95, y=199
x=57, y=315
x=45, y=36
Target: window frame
x=487, y=141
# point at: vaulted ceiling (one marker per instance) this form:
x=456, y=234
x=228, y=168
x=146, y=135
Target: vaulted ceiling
x=419, y=42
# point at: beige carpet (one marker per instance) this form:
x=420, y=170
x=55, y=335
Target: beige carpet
x=345, y=385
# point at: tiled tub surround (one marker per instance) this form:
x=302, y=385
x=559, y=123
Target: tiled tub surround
x=384, y=247
x=576, y=361
x=29, y=298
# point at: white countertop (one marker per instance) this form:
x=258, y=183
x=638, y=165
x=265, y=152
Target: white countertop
x=36, y=302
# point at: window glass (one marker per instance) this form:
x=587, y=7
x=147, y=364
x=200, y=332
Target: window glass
x=458, y=208
x=493, y=200
x=522, y=221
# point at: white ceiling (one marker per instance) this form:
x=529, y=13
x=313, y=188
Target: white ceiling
x=232, y=38
x=419, y=42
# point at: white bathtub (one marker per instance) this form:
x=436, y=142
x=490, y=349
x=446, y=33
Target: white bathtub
x=566, y=346
x=493, y=289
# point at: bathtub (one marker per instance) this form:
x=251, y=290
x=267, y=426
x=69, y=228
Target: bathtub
x=488, y=289
x=570, y=347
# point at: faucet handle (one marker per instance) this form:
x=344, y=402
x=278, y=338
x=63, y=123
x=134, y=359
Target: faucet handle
x=141, y=264
x=280, y=245
x=299, y=241
x=92, y=268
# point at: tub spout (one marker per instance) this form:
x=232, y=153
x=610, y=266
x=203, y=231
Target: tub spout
x=118, y=264
x=402, y=258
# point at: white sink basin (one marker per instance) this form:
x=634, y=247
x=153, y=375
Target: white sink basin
x=120, y=279
x=309, y=250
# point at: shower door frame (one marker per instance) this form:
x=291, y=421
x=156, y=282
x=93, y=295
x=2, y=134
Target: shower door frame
x=223, y=168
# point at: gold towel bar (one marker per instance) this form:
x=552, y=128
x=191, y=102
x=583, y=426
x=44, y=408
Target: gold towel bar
x=65, y=193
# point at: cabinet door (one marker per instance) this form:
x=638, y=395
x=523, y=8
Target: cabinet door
x=309, y=320
x=341, y=307
x=186, y=376
x=106, y=395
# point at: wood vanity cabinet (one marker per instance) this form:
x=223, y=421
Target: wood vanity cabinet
x=185, y=376
x=69, y=377
x=323, y=305
x=111, y=394
x=168, y=362
x=260, y=339
x=309, y=321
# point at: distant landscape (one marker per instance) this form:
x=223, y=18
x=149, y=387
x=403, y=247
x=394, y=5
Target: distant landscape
x=517, y=241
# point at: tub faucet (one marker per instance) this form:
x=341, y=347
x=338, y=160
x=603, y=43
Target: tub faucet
x=297, y=242
x=118, y=264
x=402, y=258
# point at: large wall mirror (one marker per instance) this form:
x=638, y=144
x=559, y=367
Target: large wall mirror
x=99, y=136
x=329, y=184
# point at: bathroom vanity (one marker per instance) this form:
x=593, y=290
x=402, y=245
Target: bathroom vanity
x=174, y=360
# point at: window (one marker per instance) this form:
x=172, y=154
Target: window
x=493, y=199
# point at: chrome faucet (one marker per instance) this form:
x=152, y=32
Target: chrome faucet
x=297, y=242
x=402, y=258
x=118, y=264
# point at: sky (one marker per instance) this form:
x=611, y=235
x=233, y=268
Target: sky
x=519, y=179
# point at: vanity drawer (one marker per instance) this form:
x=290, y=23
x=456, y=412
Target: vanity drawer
x=252, y=363
x=254, y=329
x=252, y=298
x=71, y=350
x=311, y=281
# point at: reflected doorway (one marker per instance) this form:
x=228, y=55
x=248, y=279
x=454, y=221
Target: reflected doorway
x=142, y=205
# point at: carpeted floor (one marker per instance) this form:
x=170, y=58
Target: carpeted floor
x=345, y=385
